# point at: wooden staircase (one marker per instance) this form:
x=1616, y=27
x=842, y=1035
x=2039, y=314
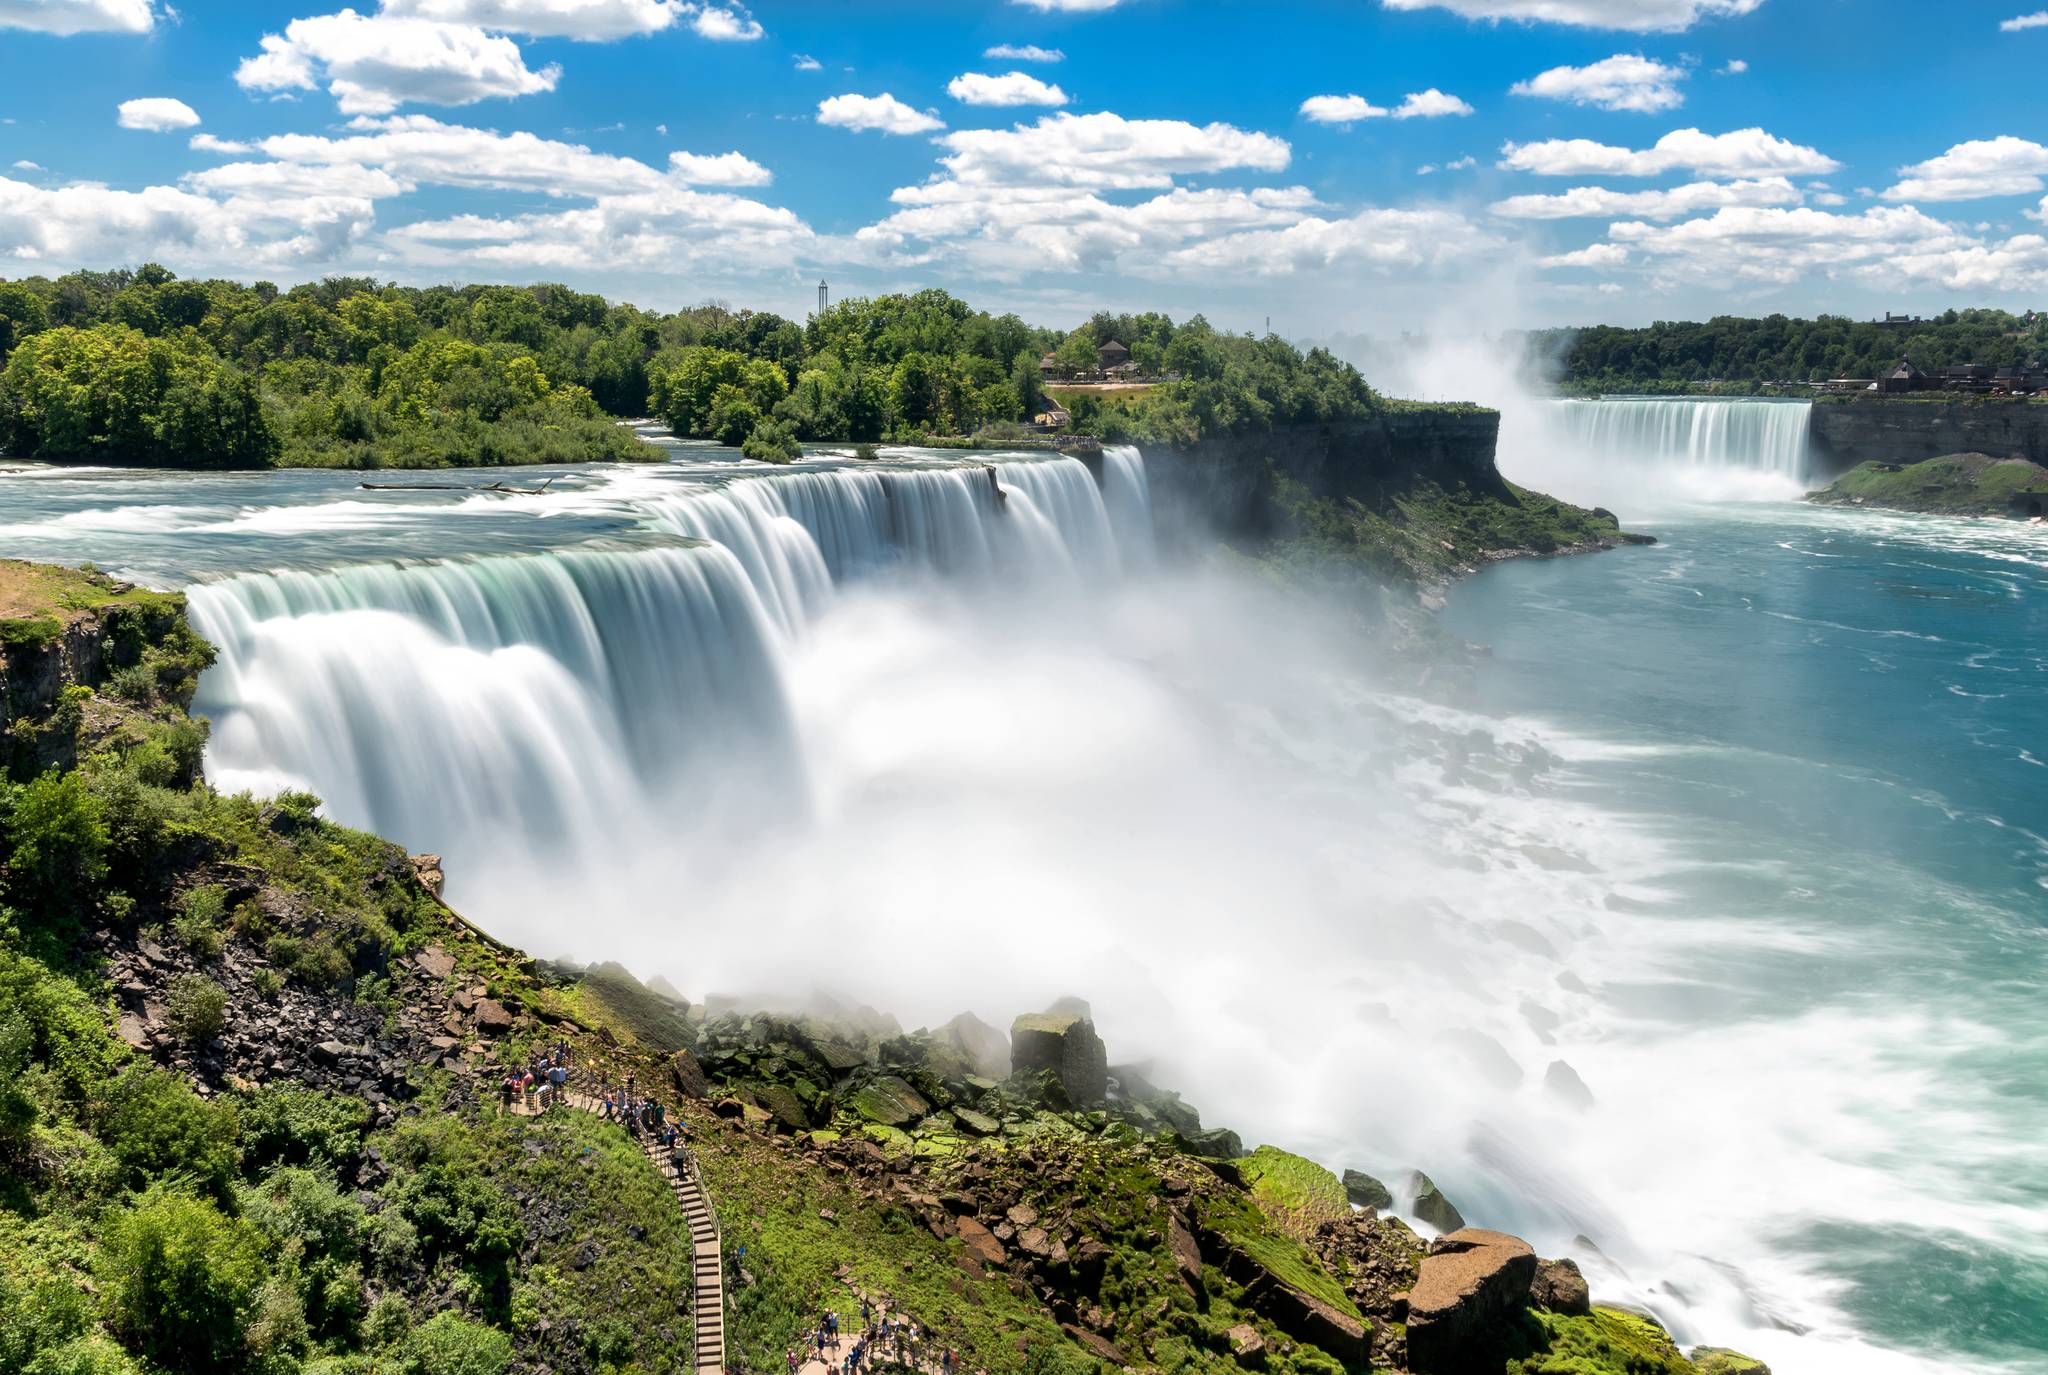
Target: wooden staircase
x=707, y=1288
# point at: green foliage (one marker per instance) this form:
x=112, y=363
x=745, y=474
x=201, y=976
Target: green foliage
x=196, y=1008
x=450, y=1344
x=54, y=842
x=67, y=1035
x=772, y=442
x=180, y=1280
x=1676, y=355
x=448, y=1200
x=158, y=1128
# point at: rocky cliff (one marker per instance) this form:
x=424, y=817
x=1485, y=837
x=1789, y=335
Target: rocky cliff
x=1410, y=494
x=1872, y=429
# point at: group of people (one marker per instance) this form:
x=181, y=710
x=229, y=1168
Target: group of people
x=541, y=1084
x=883, y=1342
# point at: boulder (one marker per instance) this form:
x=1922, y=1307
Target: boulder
x=1470, y=1287
x=689, y=1076
x=1187, y=1255
x=981, y=1124
x=1562, y=1082
x=980, y=1242
x=492, y=1019
x=986, y=1050
x=1718, y=1360
x=1101, y=1347
x=1559, y=1287
x=1219, y=1143
x=1431, y=1206
x=1247, y=1346
x=427, y=869
x=890, y=1102
x=782, y=1106
x=1068, y=1046
x=1307, y=1318
x=434, y=962
x=1365, y=1191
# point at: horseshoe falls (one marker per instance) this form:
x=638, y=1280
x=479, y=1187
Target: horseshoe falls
x=1744, y=830
x=1630, y=449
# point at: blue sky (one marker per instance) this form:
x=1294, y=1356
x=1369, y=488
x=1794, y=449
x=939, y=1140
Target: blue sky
x=1353, y=165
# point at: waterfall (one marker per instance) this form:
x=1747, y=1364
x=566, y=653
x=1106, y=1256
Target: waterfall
x=512, y=709
x=1764, y=437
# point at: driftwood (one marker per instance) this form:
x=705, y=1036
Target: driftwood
x=502, y=489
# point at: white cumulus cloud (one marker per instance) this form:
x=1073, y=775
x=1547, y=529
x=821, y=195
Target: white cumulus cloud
x=1622, y=82
x=1379, y=239
x=2002, y=166
x=1068, y=6
x=1592, y=255
x=1012, y=88
x=1634, y=16
x=725, y=25
x=588, y=20
x=2036, y=20
x=884, y=112
x=65, y=17
x=1430, y=104
x=1106, y=151
x=207, y=143
x=725, y=169
x=1740, y=153
x=1028, y=52
x=1340, y=109
x=1583, y=202
x=157, y=114
x=372, y=64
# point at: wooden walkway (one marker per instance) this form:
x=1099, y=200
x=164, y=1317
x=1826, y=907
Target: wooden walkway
x=707, y=1287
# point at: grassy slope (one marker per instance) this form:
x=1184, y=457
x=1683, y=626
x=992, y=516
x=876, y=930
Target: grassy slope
x=1959, y=484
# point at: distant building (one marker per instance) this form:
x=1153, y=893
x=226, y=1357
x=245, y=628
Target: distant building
x=1050, y=365
x=1904, y=378
x=1891, y=321
x=1113, y=355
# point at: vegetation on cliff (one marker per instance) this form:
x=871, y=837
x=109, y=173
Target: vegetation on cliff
x=1677, y=356
x=1957, y=485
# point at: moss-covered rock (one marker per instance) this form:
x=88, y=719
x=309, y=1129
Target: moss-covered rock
x=890, y=1102
x=1956, y=485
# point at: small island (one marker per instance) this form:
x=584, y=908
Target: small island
x=1954, y=485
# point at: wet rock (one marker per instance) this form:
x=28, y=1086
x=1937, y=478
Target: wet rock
x=1562, y=1082
x=891, y=1102
x=1718, y=1360
x=1559, y=1287
x=1431, y=1206
x=1365, y=1191
x=1471, y=1285
x=1486, y=1057
x=979, y=1123
x=985, y=1049
x=1221, y=1143
x=1067, y=1046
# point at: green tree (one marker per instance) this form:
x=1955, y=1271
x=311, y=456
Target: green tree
x=772, y=442
x=179, y=1279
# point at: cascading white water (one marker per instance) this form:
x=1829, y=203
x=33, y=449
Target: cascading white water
x=1758, y=436
x=514, y=705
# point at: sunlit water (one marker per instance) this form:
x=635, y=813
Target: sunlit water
x=1745, y=828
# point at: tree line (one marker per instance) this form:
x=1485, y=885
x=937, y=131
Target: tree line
x=144, y=367
x=1680, y=355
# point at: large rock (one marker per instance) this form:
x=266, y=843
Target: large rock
x=492, y=1017
x=1365, y=1191
x=1563, y=1083
x=1560, y=1287
x=1718, y=1360
x=691, y=1081
x=1431, y=1206
x=1299, y=1314
x=986, y=1050
x=1068, y=1046
x=890, y=1102
x=782, y=1105
x=1471, y=1285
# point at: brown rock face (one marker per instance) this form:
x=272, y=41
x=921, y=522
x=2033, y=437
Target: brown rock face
x=1471, y=1283
x=1248, y=1346
x=688, y=1074
x=434, y=962
x=981, y=1244
x=491, y=1017
x=1187, y=1256
x=427, y=868
x=1560, y=1287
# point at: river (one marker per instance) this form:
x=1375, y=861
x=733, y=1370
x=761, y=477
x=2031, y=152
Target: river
x=1709, y=929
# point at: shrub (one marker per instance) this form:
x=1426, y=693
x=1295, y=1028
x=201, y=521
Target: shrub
x=450, y=1344
x=180, y=1278
x=772, y=442
x=54, y=841
x=389, y=1321
x=198, y=922
x=196, y=1008
x=290, y=1126
x=157, y=1127
x=269, y=983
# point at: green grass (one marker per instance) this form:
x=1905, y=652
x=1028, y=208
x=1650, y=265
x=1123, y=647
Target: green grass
x=1959, y=484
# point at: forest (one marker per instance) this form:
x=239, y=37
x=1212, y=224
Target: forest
x=142, y=367
x=1736, y=354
